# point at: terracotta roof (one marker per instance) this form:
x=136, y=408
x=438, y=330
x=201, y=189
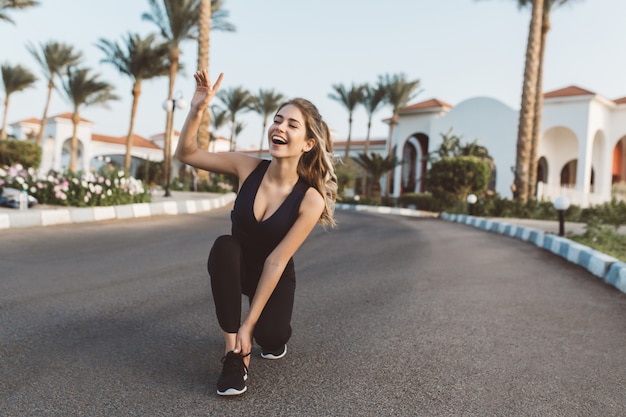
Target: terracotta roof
x=428, y=104
x=373, y=142
x=620, y=100
x=570, y=91
x=30, y=120
x=68, y=115
x=138, y=141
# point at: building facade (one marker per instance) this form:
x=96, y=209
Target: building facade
x=581, y=150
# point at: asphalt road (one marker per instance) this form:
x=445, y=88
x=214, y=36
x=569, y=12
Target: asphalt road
x=394, y=317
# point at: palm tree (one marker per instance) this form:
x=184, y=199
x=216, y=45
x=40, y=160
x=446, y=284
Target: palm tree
x=140, y=59
x=219, y=118
x=373, y=98
x=54, y=58
x=210, y=16
x=15, y=78
x=177, y=21
x=6, y=5
x=265, y=103
x=83, y=89
x=350, y=98
x=548, y=6
x=450, y=145
x=235, y=100
x=527, y=108
x=239, y=127
x=399, y=91
x=376, y=166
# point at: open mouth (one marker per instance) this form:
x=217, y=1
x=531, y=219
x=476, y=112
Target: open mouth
x=277, y=140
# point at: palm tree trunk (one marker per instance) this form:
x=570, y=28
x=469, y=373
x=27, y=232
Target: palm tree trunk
x=527, y=110
x=392, y=128
x=262, y=138
x=3, y=132
x=204, y=30
x=532, y=177
x=232, y=133
x=167, y=148
x=366, y=151
x=42, y=124
x=349, y=138
x=74, y=148
x=131, y=128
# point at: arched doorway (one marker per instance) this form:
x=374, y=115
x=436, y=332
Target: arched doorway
x=542, y=170
x=414, y=163
x=568, y=174
x=66, y=152
x=618, y=172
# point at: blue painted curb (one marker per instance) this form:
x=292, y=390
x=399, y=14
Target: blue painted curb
x=606, y=267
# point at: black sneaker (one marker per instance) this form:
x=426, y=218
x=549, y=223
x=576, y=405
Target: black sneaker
x=232, y=381
x=274, y=354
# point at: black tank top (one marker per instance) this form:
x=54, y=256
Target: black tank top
x=259, y=238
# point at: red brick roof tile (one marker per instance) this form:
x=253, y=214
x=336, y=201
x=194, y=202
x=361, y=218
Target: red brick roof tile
x=570, y=91
x=428, y=104
x=138, y=141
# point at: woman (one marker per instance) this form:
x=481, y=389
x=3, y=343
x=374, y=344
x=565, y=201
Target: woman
x=278, y=204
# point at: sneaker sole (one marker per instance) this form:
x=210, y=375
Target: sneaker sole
x=272, y=356
x=232, y=391
x=235, y=391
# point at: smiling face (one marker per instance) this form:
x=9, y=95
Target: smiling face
x=287, y=134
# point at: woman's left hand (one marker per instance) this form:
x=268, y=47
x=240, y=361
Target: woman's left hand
x=204, y=91
x=243, y=344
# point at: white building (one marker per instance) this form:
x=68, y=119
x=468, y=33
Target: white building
x=93, y=148
x=581, y=150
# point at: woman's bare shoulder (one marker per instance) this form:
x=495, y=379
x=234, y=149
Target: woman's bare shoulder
x=313, y=202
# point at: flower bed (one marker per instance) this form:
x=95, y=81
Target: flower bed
x=108, y=187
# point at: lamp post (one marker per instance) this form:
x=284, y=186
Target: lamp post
x=177, y=102
x=471, y=200
x=561, y=203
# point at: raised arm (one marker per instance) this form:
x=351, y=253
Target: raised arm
x=187, y=150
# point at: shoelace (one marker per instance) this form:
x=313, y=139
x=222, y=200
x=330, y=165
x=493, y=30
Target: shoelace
x=233, y=362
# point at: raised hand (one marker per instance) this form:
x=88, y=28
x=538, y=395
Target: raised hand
x=204, y=91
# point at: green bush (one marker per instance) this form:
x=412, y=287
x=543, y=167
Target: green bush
x=219, y=184
x=20, y=152
x=453, y=179
x=421, y=201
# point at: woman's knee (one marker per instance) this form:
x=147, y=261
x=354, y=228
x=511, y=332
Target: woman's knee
x=272, y=337
x=226, y=250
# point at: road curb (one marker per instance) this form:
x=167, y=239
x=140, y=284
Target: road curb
x=33, y=218
x=609, y=269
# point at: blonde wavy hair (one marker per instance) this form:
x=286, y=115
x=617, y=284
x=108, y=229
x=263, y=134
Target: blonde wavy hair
x=316, y=166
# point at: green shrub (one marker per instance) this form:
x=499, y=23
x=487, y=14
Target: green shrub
x=453, y=179
x=20, y=152
x=421, y=201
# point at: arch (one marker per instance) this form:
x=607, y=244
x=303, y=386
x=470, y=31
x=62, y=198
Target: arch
x=542, y=170
x=414, y=163
x=559, y=147
x=568, y=174
x=618, y=170
x=66, y=151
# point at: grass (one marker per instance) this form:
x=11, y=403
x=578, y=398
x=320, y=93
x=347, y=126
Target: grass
x=603, y=239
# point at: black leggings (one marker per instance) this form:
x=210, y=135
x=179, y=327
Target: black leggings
x=228, y=279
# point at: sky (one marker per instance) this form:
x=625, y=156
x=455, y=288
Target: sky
x=457, y=49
